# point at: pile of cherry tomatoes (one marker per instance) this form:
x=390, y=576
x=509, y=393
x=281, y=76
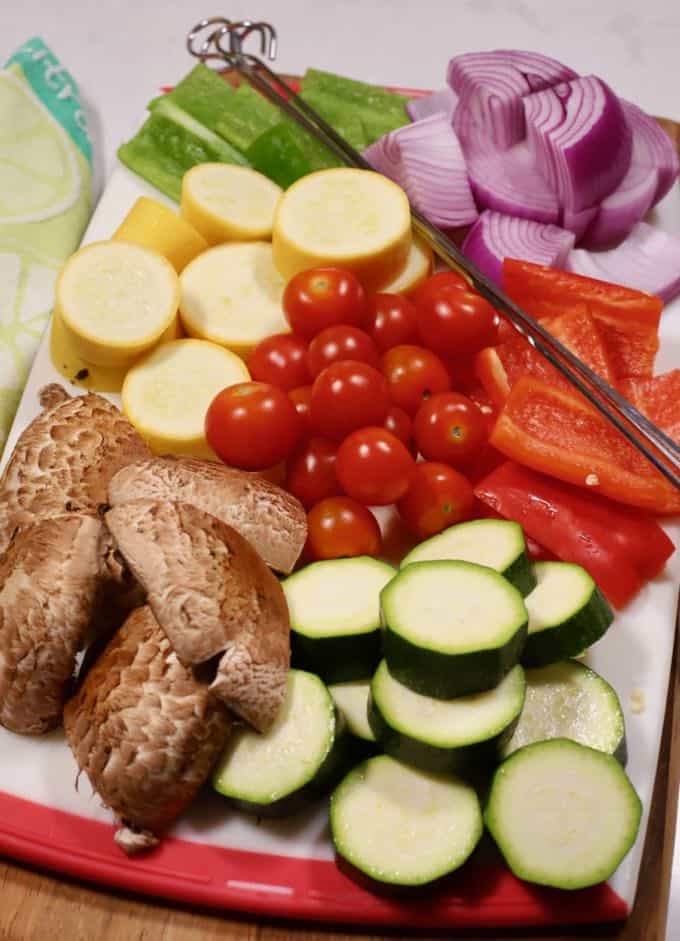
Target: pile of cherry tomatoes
x=362, y=387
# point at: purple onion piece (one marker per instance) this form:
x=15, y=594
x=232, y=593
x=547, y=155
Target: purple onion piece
x=619, y=212
x=652, y=149
x=443, y=101
x=648, y=260
x=496, y=236
x=510, y=183
x=426, y=160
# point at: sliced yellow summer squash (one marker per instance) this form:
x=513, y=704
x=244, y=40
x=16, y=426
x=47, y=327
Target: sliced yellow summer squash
x=156, y=226
x=419, y=265
x=346, y=218
x=167, y=393
x=228, y=203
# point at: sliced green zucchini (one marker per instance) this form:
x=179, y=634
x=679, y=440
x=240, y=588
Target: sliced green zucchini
x=451, y=628
x=352, y=701
x=562, y=814
x=500, y=544
x=567, y=613
x=335, y=617
x=569, y=700
x=403, y=826
x=300, y=759
x=444, y=734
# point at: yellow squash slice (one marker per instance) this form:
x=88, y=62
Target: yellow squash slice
x=419, y=265
x=156, y=226
x=166, y=394
x=346, y=218
x=231, y=295
x=227, y=203
x=116, y=300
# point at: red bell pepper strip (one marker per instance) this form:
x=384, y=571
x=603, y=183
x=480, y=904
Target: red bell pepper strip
x=658, y=399
x=558, y=433
x=582, y=335
x=545, y=292
x=622, y=548
x=631, y=347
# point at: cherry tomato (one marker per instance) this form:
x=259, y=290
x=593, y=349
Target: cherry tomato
x=335, y=344
x=346, y=396
x=449, y=427
x=280, y=359
x=302, y=399
x=321, y=297
x=439, y=496
x=252, y=425
x=452, y=318
x=374, y=467
x=413, y=374
x=311, y=472
x=340, y=527
x=400, y=425
x=393, y=319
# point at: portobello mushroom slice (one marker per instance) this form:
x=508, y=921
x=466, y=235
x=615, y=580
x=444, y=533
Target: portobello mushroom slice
x=64, y=459
x=272, y=521
x=214, y=597
x=49, y=578
x=145, y=730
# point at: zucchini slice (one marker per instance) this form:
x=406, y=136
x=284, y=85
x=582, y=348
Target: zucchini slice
x=335, y=617
x=451, y=628
x=444, y=735
x=352, y=701
x=562, y=814
x=500, y=544
x=569, y=700
x=301, y=758
x=403, y=826
x=567, y=613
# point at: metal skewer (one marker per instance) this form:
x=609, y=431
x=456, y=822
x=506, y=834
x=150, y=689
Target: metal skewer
x=219, y=40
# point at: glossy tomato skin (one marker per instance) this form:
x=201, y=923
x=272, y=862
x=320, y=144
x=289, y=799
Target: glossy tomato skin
x=374, y=467
x=453, y=319
x=348, y=395
x=252, y=425
x=393, y=320
x=439, y=497
x=321, y=297
x=413, y=374
x=339, y=527
x=302, y=400
x=311, y=472
x=400, y=425
x=338, y=343
x=281, y=360
x=450, y=428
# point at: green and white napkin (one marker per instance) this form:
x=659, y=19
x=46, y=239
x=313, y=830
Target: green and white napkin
x=45, y=203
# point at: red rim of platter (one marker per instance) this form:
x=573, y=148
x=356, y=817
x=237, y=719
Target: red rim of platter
x=478, y=895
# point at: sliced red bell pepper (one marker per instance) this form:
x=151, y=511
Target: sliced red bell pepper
x=581, y=334
x=622, y=548
x=499, y=367
x=631, y=347
x=658, y=399
x=545, y=292
x=557, y=432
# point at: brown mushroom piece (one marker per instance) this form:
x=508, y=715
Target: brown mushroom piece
x=145, y=730
x=64, y=460
x=272, y=521
x=214, y=597
x=48, y=583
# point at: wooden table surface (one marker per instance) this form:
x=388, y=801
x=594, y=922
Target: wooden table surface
x=35, y=906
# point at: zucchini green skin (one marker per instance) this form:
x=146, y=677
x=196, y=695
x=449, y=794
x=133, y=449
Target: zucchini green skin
x=339, y=759
x=412, y=751
x=571, y=637
x=337, y=659
x=445, y=676
x=520, y=574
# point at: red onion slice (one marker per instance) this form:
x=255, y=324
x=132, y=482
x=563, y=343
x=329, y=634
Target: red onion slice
x=490, y=86
x=426, y=160
x=443, y=101
x=495, y=236
x=509, y=182
x=648, y=260
x=652, y=149
x=619, y=212
x=580, y=139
